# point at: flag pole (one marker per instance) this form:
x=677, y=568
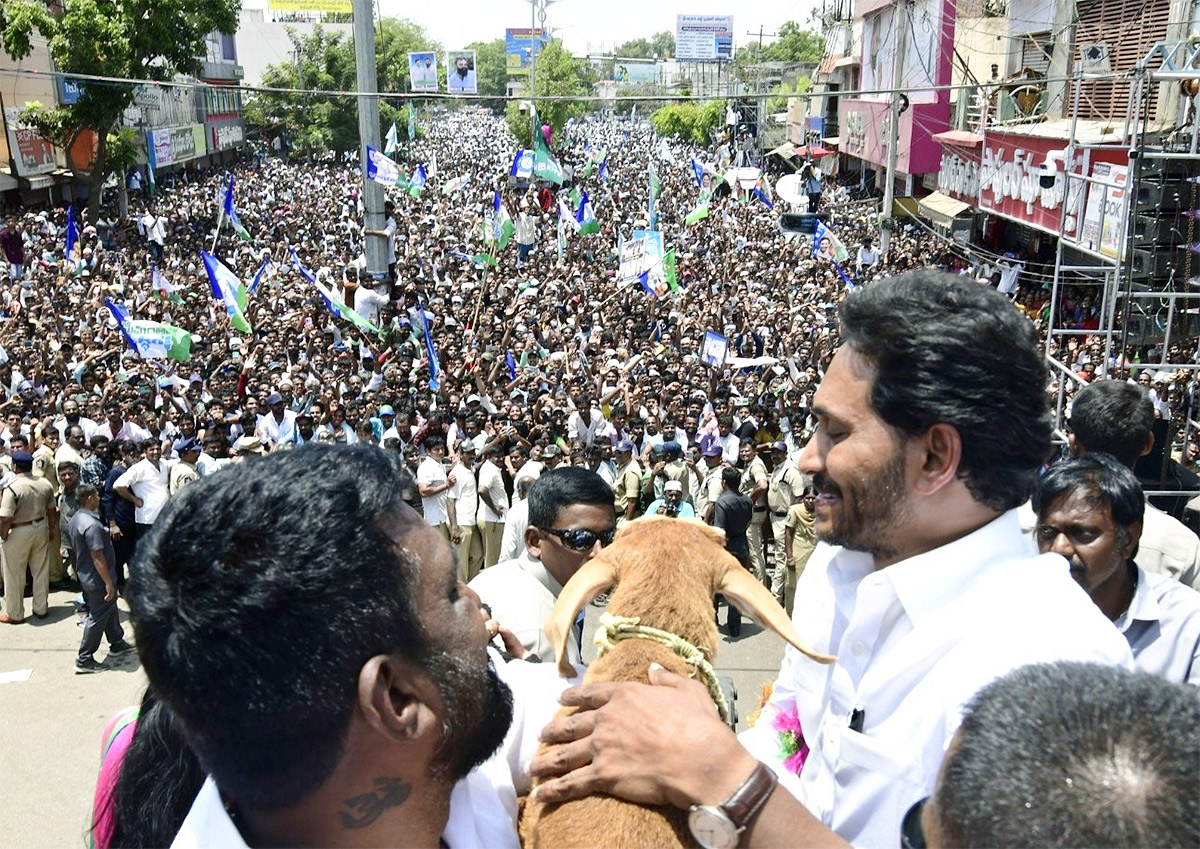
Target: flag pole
x=479, y=301
x=217, y=234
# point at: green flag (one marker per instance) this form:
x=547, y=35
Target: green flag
x=412, y=122
x=696, y=214
x=545, y=166
x=669, y=270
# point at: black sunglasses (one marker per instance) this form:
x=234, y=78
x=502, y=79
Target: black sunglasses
x=912, y=834
x=581, y=539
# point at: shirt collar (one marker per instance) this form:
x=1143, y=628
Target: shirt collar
x=1144, y=606
x=929, y=582
x=539, y=572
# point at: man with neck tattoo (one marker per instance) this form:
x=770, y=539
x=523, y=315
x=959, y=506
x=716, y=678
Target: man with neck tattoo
x=325, y=664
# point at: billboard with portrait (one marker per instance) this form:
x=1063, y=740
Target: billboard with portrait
x=423, y=71
x=460, y=72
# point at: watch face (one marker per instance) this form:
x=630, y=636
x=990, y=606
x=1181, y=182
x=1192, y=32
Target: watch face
x=711, y=828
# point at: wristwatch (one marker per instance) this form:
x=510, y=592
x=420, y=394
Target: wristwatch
x=719, y=826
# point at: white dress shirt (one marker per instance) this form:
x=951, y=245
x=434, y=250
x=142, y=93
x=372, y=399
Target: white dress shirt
x=915, y=641
x=149, y=484
x=1169, y=547
x=432, y=473
x=1162, y=626
x=521, y=593
x=462, y=493
x=491, y=481
x=512, y=544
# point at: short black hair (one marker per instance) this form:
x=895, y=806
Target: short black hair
x=1074, y=754
x=947, y=350
x=731, y=477
x=233, y=628
x=1105, y=479
x=1114, y=417
x=85, y=491
x=562, y=487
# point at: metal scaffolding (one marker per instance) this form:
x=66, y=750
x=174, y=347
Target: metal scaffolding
x=1149, y=288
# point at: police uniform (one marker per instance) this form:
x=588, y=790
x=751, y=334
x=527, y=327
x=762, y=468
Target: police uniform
x=45, y=465
x=29, y=503
x=785, y=489
x=751, y=475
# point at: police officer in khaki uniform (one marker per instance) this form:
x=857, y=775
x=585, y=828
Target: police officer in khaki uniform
x=754, y=483
x=784, y=490
x=28, y=522
x=45, y=465
x=629, y=482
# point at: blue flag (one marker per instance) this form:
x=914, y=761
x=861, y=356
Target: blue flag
x=698, y=171
x=604, y=171
x=522, y=165
x=299, y=266
x=228, y=210
x=512, y=365
x=258, y=275
x=72, y=234
x=435, y=367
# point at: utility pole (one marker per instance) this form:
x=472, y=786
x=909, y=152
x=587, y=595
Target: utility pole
x=368, y=132
x=760, y=104
x=889, y=189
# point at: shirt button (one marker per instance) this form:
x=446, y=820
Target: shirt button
x=857, y=649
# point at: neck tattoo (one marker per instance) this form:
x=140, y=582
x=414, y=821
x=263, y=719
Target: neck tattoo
x=366, y=808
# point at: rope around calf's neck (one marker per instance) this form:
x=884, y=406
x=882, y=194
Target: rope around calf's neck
x=613, y=629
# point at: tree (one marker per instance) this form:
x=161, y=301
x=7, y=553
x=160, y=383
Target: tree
x=325, y=62
x=795, y=44
x=556, y=73
x=111, y=38
x=491, y=68
x=661, y=45
x=690, y=122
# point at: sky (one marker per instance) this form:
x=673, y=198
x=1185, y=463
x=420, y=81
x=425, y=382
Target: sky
x=586, y=25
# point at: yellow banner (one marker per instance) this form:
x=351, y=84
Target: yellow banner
x=311, y=5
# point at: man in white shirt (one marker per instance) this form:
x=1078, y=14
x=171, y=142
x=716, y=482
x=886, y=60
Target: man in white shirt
x=571, y=517
x=388, y=232
x=1090, y=511
x=462, y=508
x=493, y=504
x=393, y=718
x=279, y=424
x=587, y=422
x=923, y=449
x=434, y=484
x=145, y=485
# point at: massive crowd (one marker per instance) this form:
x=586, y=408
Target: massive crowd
x=487, y=378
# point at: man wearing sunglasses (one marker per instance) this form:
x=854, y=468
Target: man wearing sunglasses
x=571, y=517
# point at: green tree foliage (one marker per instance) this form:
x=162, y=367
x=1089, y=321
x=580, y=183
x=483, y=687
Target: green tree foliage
x=491, y=69
x=113, y=38
x=690, y=122
x=325, y=62
x=780, y=94
x=661, y=45
x=793, y=43
x=557, y=73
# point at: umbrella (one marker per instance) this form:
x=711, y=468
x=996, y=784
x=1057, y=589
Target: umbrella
x=813, y=151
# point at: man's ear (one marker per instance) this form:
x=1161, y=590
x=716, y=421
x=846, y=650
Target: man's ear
x=533, y=541
x=1133, y=535
x=1149, y=444
x=397, y=699
x=940, y=453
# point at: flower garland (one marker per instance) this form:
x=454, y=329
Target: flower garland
x=792, y=746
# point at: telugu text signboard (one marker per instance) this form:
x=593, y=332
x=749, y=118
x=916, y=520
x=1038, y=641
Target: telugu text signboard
x=703, y=38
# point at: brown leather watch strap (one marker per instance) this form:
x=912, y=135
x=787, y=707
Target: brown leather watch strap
x=748, y=799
